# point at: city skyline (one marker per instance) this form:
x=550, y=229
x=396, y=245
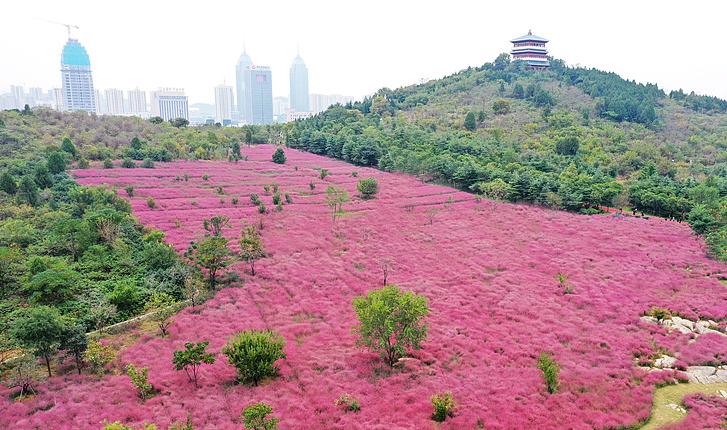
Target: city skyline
x=345, y=59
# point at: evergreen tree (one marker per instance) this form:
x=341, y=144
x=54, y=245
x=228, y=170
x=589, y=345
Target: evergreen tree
x=469, y=121
x=8, y=184
x=56, y=163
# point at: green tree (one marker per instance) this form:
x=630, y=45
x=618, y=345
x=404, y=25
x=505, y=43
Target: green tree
x=335, y=199
x=255, y=417
x=254, y=353
x=164, y=307
x=444, y=405
x=212, y=254
x=56, y=163
x=191, y=358
x=701, y=219
x=8, y=184
x=391, y=321
x=179, y=122
x=496, y=189
x=470, y=123
x=40, y=330
x=501, y=107
x=251, y=246
x=518, y=92
x=368, y=188
x=28, y=191
x=140, y=380
x=550, y=369
x=68, y=147
x=42, y=176
x=156, y=120
x=567, y=145
x=54, y=285
x=236, y=150
x=75, y=343
x=279, y=156
x=216, y=224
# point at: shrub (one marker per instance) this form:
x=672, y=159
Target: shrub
x=470, y=123
x=205, y=177
x=391, y=321
x=277, y=198
x=99, y=356
x=164, y=307
x=255, y=417
x=288, y=198
x=151, y=203
x=550, y=369
x=348, y=403
x=323, y=173
x=444, y=405
x=567, y=146
x=147, y=164
x=235, y=200
x=83, y=164
x=216, y=224
x=279, y=156
x=262, y=209
x=660, y=314
x=191, y=357
x=501, y=107
x=368, y=188
x=128, y=163
x=254, y=353
x=354, y=174
x=255, y=199
x=129, y=191
x=312, y=186
x=140, y=380
x=266, y=188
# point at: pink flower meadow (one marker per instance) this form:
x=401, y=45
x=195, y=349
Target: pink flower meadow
x=489, y=272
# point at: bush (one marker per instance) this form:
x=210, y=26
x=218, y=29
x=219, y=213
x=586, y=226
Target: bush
x=279, y=156
x=140, y=380
x=288, y=198
x=443, y=406
x=255, y=417
x=82, y=164
x=368, y=188
x=567, y=146
x=262, y=209
x=129, y=191
x=348, y=403
x=550, y=369
x=391, y=321
x=147, y=164
x=151, y=203
x=128, y=163
x=255, y=199
x=277, y=199
x=99, y=356
x=470, y=123
x=312, y=186
x=501, y=107
x=254, y=353
x=324, y=173
x=108, y=164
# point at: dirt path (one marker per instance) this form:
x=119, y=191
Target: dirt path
x=662, y=414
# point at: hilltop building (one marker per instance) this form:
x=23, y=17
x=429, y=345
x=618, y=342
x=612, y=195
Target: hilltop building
x=169, y=103
x=76, y=79
x=530, y=49
x=299, y=86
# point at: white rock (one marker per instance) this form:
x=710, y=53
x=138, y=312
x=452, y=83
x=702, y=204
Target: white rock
x=665, y=361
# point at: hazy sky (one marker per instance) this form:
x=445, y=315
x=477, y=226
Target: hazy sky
x=357, y=47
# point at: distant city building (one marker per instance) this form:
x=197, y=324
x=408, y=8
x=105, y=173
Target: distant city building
x=76, y=79
x=321, y=102
x=169, y=103
x=18, y=94
x=136, y=102
x=281, y=105
x=299, y=86
x=36, y=97
x=57, y=98
x=114, y=101
x=530, y=49
x=243, y=98
x=100, y=103
x=223, y=104
x=259, y=88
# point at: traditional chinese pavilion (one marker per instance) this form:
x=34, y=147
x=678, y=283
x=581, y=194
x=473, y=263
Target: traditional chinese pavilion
x=531, y=49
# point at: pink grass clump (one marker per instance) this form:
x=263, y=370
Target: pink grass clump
x=487, y=268
x=708, y=350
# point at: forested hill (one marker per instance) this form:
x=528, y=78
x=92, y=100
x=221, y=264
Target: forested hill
x=569, y=138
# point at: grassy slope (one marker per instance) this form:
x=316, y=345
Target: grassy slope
x=662, y=415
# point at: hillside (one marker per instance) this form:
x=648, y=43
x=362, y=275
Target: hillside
x=568, y=138
x=488, y=269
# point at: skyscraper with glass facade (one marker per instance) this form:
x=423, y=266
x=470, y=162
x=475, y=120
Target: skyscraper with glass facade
x=76, y=79
x=259, y=84
x=243, y=98
x=299, y=86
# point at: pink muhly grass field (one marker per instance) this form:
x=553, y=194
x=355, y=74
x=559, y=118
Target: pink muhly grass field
x=487, y=268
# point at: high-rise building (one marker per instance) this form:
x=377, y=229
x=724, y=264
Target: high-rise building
x=299, y=86
x=169, y=103
x=76, y=79
x=243, y=99
x=530, y=49
x=57, y=98
x=223, y=104
x=137, y=102
x=100, y=103
x=35, y=96
x=18, y=96
x=114, y=101
x=259, y=86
